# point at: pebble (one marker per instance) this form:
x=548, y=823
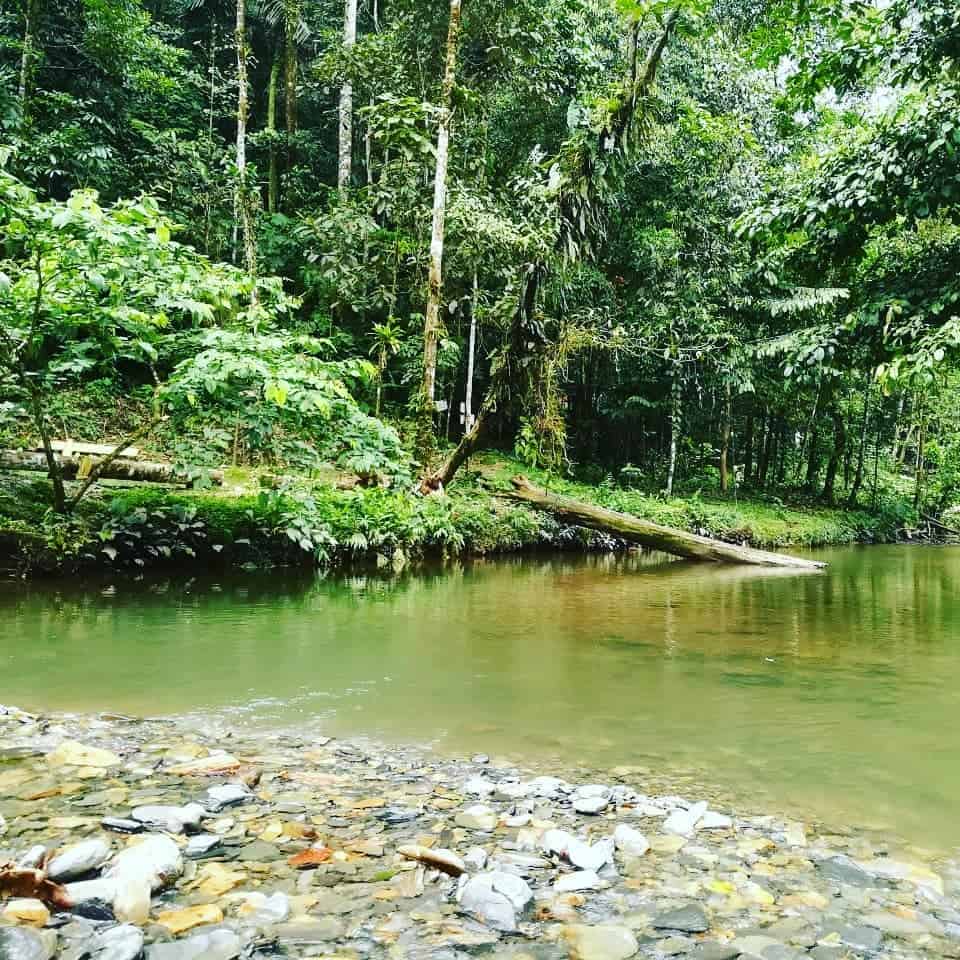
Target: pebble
x=630, y=841
x=600, y=942
x=215, y=945
x=477, y=817
x=684, y=822
x=687, y=919
x=578, y=880
x=78, y=859
x=124, y=942
x=25, y=911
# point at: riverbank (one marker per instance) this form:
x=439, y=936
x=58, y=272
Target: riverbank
x=195, y=844
x=316, y=522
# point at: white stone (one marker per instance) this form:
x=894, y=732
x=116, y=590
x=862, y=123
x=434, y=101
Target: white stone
x=156, y=860
x=171, y=819
x=78, y=859
x=712, y=820
x=590, y=857
x=579, y=880
x=683, y=822
x=117, y=943
x=546, y=787
x=84, y=890
x=555, y=841
x=215, y=945
x=629, y=841
x=479, y=787
x=590, y=805
x=225, y=795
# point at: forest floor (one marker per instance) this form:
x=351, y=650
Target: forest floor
x=312, y=519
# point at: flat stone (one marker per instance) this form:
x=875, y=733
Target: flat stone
x=260, y=908
x=477, y=817
x=213, y=945
x=590, y=806
x=305, y=932
x=122, y=825
x=26, y=911
x=843, y=870
x=674, y=946
x=72, y=753
x=601, y=942
x=713, y=950
x=217, y=762
x=21, y=943
x=590, y=857
x=826, y=952
x=912, y=873
x=629, y=841
x=225, y=795
x=495, y=898
x=578, y=880
x=440, y=859
x=78, y=859
x=201, y=843
x=858, y=936
x=124, y=942
x=895, y=925
x=754, y=945
x=684, y=822
x=179, y=921
x=688, y=919
x=170, y=819
x=258, y=852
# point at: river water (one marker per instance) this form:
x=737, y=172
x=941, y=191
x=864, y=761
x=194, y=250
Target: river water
x=833, y=695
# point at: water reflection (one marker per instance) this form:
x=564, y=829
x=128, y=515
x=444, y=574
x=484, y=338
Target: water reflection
x=832, y=691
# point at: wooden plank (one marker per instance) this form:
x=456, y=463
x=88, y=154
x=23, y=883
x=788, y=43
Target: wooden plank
x=71, y=448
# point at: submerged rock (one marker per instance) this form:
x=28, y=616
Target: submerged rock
x=688, y=919
x=601, y=942
x=21, y=943
x=495, y=898
x=215, y=945
x=124, y=942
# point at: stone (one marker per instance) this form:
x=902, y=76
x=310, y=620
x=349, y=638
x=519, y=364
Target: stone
x=601, y=942
x=712, y=820
x=844, y=870
x=170, y=819
x=555, y=841
x=22, y=943
x=83, y=891
x=919, y=876
x=124, y=942
x=827, y=952
x=155, y=858
x=590, y=857
x=578, y=880
x=78, y=859
x=440, y=859
x=122, y=825
x=179, y=921
x=217, y=762
x=200, y=844
x=713, y=950
x=477, y=817
x=684, y=822
x=32, y=858
x=212, y=945
x=72, y=753
x=495, y=899
x=546, y=787
x=305, y=932
x=754, y=945
x=28, y=912
x=476, y=857
x=895, y=925
x=590, y=806
x=225, y=795
x=629, y=841
x=858, y=936
x=260, y=908
x=674, y=946
x=688, y=919
x=217, y=879
x=259, y=852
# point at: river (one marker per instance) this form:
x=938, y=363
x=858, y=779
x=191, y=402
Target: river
x=834, y=695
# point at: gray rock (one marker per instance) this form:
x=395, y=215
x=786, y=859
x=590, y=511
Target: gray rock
x=688, y=919
x=21, y=943
x=305, y=932
x=118, y=943
x=122, y=825
x=780, y=951
x=844, y=870
x=212, y=945
x=225, y=795
x=84, y=891
x=495, y=899
x=201, y=843
x=858, y=936
x=477, y=817
x=602, y=942
x=674, y=946
x=827, y=952
x=754, y=945
x=259, y=852
x=170, y=819
x=76, y=860
x=33, y=857
x=712, y=950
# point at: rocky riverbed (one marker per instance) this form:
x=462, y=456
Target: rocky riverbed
x=122, y=838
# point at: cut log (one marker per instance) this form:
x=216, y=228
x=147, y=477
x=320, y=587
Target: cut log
x=70, y=448
x=679, y=543
x=118, y=469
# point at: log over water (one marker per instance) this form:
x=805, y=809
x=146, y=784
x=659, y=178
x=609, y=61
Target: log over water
x=679, y=543
x=118, y=469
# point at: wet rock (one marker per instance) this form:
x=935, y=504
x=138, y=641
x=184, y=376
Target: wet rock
x=688, y=919
x=27, y=912
x=170, y=819
x=920, y=876
x=78, y=859
x=674, y=946
x=858, y=936
x=590, y=806
x=477, y=817
x=590, y=857
x=630, y=841
x=33, y=857
x=684, y=822
x=155, y=859
x=897, y=926
x=72, y=753
x=444, y=860
x=601, y=942
x=179, y=921
x=124, y=942
x=259, y=908
x=226, y=795
x=495, y=898
x=21, y=943
x=578, y=880
x=754, y=945
x=713, y=950
x=214, y=945
x=547, y=787
x=215, y=762
x=83, y=891
x=122, y=825
x=712, y=820
x=844, y=870
x=305, y=932
x=259, y=852
x=393, y=816
x=556, y=841
x=200, y=844
x=95, y=909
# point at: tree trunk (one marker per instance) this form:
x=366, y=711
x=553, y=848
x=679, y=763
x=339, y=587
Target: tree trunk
x=675, y=398
x=918, y=463
x=345, y=148
x=836, y=454
x=273, y=187
x=291, y=24
x=31, y=14
x=862, y=452
x=748, y=448
x=725, y=439
x=651, y=535
x=432, y=324
x=244, y=200
x=119, y=469
x=471, y=350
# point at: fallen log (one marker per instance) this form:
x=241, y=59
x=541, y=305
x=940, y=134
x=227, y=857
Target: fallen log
x=118, y=469
x=651, y=535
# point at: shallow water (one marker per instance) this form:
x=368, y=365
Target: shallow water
x=830, y=694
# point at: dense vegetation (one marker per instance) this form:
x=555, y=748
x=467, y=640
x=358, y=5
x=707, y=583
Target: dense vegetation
x=690, y=246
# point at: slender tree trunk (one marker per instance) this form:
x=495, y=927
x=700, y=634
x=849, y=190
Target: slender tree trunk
x=727, y=430
x=766, y=444
x=895, y=452
x=836, y=454
x=471, y=350
x=862, y=451
x=748, y=430
x=273, y=187
x=432, y=324
x=291, y=24
x=918, y=463
x=31, y=15
x=345, y=150
x=210, y=110
x=244, y=199
x=675, y=398
x=781, y=474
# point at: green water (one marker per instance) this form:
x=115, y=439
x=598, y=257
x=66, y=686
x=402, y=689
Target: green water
x=833, y=694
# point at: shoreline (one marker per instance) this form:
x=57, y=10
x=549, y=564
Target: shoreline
x=350, y=848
